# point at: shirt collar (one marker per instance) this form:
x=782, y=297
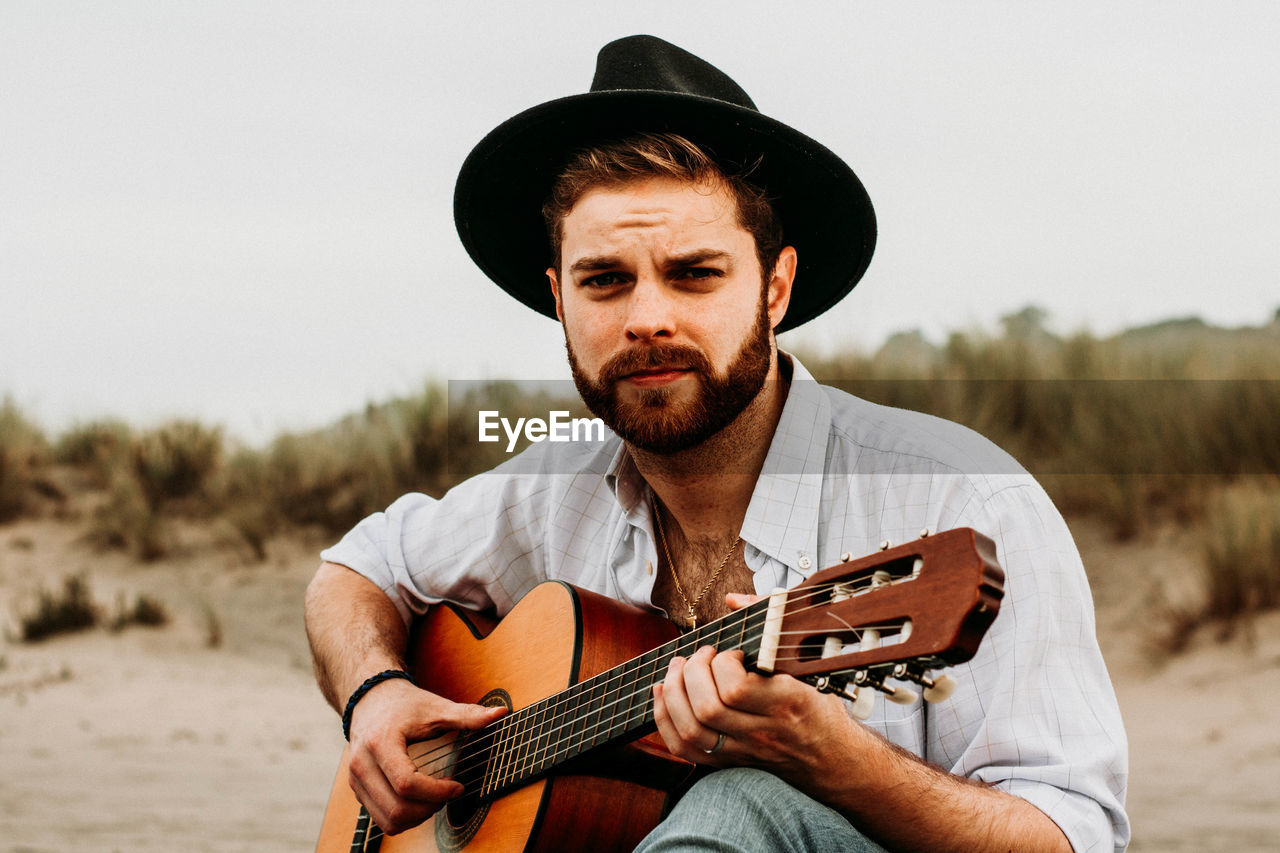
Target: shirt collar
x=782, y=518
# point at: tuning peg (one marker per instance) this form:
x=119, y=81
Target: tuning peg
x=900, y=695
x=863, y=702
x=938, y=689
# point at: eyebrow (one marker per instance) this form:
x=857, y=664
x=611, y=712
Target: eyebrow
x=693, y=257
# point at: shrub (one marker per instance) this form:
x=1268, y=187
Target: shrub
x=1242, y=550
x=145, y=610
x=97, y=447
x=176, y=461
x=60, y=612
x=23, y=450
x=127, y=519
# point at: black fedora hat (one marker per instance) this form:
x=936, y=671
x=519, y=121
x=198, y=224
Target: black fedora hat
x=643, y=83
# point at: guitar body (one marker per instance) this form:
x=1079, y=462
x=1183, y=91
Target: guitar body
x=577, y=764
x=555, y=637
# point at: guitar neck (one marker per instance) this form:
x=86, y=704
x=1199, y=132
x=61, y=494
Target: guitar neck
x=612, y=707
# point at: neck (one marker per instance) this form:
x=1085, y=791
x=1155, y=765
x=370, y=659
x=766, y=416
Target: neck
x=706, y=489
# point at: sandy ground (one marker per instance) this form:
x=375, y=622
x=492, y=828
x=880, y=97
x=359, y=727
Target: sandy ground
x=153, y=739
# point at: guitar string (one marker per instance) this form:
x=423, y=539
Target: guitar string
x=472, y=756
x=501, y=727
x=514, y=766
x=475, y=760
x=557, y=718
x=692, y=640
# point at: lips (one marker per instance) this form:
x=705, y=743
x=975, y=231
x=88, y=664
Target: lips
x=654, y=365
x=656, y=375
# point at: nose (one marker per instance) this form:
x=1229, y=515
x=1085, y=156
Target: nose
x=650, y=312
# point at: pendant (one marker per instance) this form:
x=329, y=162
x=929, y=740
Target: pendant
x=693, y=620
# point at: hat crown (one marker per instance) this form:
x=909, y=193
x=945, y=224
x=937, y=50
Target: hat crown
x=649, y=63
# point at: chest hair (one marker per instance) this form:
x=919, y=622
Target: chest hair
x=696, y=563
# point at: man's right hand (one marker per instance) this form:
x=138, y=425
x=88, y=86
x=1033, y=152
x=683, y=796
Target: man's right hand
x=386, y=720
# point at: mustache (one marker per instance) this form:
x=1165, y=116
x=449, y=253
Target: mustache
x=655, y=357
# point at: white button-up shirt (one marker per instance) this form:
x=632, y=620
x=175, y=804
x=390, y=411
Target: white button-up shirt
x=1034, y=714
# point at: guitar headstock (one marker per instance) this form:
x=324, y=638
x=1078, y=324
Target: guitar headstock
x=897, y=613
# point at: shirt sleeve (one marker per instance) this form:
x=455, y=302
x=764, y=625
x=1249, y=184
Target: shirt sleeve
x=1045, y=725
x=474, y=547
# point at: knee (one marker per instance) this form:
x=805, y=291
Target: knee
x=741, y=789
x=744, y=809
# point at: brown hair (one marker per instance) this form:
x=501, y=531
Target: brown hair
x=665, y=155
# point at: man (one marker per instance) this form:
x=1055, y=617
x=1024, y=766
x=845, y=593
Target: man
x=683, y=229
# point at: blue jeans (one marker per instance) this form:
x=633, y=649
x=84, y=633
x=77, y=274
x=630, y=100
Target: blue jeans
x=742, y=810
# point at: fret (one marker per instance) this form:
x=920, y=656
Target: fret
x=500, y=758
x=541, y=740
x=579, y=711
x=491, y=771
x=596, y=720
x=509, y=745
x=367, y=837
x=555, y=735
x=616, y=721
x=753, y=630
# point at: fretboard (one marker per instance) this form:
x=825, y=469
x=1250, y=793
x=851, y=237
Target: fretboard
x=612, y=707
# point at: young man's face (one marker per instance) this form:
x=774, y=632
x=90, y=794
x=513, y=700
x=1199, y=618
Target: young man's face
x=666, y=316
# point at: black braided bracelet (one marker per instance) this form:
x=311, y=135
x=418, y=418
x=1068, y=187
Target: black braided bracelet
x=385, y=675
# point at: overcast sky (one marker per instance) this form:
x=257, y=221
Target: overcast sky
x=242, y=211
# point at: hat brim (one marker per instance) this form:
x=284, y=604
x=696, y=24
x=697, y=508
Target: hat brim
x=824, y=209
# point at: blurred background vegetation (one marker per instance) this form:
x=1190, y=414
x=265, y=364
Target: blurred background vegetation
x=1173, y=423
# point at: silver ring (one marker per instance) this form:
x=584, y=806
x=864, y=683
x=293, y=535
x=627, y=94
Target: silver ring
x=719, y=744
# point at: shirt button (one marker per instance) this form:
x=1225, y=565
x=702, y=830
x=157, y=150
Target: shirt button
x=648, y=567
x=805, y=562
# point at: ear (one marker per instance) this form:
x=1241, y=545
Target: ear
x=555, y=292
x=779, y=291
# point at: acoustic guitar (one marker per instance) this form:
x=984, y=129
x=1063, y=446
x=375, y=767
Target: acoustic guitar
x=577, y=763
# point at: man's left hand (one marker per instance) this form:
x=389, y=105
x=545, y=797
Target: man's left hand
x=773, y=722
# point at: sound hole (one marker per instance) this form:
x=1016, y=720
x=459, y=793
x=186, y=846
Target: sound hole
x=473, y=756
x=462, y=811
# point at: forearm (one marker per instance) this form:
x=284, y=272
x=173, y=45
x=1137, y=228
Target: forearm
x=354, y=630
x=908, y=804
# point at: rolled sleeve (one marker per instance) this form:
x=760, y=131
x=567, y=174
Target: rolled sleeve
x=1049, y=729
x=475, y=547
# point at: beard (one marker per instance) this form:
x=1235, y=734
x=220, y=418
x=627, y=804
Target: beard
x=657, y=420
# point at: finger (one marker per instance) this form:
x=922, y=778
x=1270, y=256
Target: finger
x=676, y=744
x=719, y=691
x=739, y=600
x=406, y=781
x=393, y=811
x=437, y=714
x=666, y=729
x=746, y=692
x=700, y=690
x=685, y=723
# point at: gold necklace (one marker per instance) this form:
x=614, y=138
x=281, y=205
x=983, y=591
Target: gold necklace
x=662, y=538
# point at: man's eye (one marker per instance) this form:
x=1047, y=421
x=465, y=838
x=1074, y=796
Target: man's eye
x=608, y=279
x=698, y=272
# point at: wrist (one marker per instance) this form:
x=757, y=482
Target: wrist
x=361, y=691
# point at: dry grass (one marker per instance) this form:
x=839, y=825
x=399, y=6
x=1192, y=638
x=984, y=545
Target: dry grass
x=23, y=452
x=1242, y=550
x=145, y=611
x=61, y=611
x=1155, y=425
